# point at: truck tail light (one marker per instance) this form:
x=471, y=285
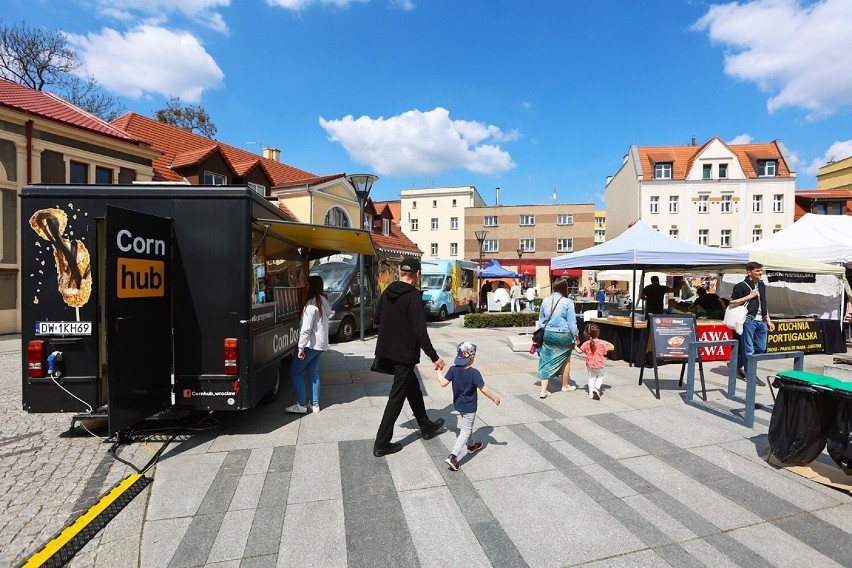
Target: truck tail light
x=35, y=359
x=231, y=360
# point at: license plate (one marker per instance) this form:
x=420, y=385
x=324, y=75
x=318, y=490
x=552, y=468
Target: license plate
x=63, y=328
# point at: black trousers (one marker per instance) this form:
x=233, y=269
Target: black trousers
x=405, y=387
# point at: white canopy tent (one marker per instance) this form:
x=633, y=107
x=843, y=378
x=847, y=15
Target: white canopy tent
x=824, y=238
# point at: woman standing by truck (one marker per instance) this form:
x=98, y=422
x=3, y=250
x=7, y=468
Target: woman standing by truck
x=313, y=340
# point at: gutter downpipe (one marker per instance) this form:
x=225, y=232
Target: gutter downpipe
x=29, y=131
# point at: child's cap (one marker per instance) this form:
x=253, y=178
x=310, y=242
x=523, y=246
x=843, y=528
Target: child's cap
x=464, y=353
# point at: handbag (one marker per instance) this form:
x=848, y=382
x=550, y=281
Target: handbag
x=383, y=365
x=538, y=335
x=735, y=317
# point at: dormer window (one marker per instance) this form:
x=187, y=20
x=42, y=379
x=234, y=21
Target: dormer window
x=386, y=226
x=663, y=170
x=767, y=168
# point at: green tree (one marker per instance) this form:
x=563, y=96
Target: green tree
x=189, y=117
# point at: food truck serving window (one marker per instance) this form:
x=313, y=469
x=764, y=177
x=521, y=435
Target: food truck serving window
x=278, y=274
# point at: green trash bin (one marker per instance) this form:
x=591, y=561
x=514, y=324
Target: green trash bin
x=801, y=417
x=839, y=441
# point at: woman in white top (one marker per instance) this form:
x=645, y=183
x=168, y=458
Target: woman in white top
x=313, y=340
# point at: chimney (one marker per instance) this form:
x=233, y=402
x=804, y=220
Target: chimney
x=272, y=153
x=497, y=197
x=693, y=139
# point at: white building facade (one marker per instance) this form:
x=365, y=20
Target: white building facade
x=718, y=194
x=434, y=219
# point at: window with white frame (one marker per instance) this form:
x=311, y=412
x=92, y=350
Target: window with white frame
x=386, y=226
x=434, y=203
x=527, y=245
x=454, y=249
x=434, y=223
x=663, y=170
x=490, y=245
x=414, y=205
x=725, y=238
x=757, y=203
x=723, y=171
x=368, y=221
x=707, y=171
x=704, y=237
x=433, y=249
x=655, y=204
x=564, y=245
x=257, y=188
x=674, y=233
x=756, y=234
x=766, y=168
x=527, y=220
x=414, y=224
x=703, y=203
x=778, y=203
x=454, y=223
x=212, y=178
x=490, y=221
x=673, y=203
x=725, y=204
x=454, y=202
x=565, y=219
x=336, y=217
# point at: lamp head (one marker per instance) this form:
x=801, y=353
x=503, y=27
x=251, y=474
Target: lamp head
x=362, y=183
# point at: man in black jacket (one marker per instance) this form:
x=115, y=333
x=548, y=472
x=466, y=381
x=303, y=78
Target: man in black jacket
x=752, y=293
x=402, y=334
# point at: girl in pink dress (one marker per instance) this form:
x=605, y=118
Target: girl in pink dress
x=595, y=350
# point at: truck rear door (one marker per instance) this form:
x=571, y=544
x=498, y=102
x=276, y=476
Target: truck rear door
x=138, y=312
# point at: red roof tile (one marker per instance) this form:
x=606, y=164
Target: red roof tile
x=394, y=206
x=683, y=157
x=173, y=142
x=51, y=107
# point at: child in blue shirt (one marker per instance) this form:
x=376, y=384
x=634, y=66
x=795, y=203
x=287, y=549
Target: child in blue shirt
x=465, y=381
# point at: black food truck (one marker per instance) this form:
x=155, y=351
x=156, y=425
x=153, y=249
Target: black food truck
x=142, y=297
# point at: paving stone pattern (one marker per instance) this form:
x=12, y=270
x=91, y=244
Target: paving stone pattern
x=625, y=481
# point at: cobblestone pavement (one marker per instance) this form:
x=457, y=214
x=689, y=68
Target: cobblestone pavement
x=625, y=481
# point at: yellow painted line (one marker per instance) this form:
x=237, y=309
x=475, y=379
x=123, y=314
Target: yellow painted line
x=82, y=521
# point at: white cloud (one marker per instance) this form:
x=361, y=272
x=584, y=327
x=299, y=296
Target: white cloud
x=146, y=60
x=203, y=11
x=741, y=139
x=837, y=151
x=297, y=5
x=798, y=54
x=421, y=143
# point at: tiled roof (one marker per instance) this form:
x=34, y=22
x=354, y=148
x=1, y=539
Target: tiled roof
x=176, y=144
x=312, y=180
x=683, y=157
x=51, y=107
x=395, y=242
x=394, y=206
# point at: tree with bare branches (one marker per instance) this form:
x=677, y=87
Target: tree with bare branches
x=43, y=60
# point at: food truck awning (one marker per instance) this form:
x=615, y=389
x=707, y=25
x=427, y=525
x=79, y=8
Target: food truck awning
x=321, y=240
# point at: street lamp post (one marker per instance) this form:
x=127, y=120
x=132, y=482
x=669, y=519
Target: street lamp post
x=480, y=238
x=362, y=183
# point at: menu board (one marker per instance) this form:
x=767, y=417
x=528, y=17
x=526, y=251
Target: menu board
x=671, y=336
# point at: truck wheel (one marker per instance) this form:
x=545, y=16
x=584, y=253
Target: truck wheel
x=273, y=395
x=347, y=330
x=442, y=314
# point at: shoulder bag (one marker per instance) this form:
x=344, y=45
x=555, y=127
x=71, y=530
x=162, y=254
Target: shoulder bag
x=538, y=335
x=383, y=365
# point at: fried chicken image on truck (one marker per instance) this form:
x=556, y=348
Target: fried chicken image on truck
x=73, y=269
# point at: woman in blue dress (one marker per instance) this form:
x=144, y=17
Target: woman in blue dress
x=559, y=320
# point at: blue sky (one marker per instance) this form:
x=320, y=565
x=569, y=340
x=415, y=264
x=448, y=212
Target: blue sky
x=535, y=97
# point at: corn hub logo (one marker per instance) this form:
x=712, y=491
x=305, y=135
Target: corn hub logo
x=140, y=277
